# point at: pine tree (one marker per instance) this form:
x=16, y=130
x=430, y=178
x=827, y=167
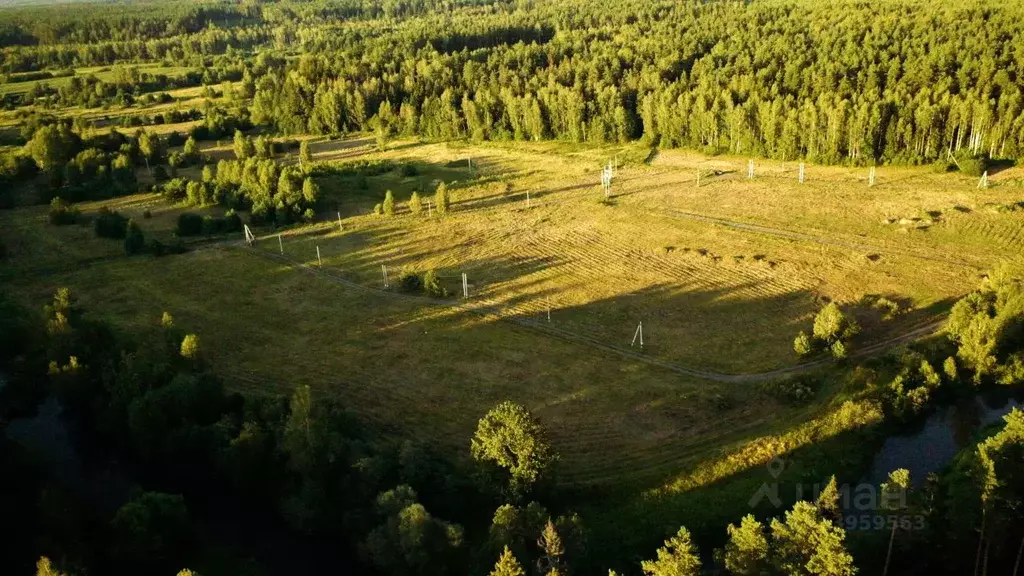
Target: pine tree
x=806, y=544
x=415, y=205
x=678, y=557
x=389, y=203
x=746, y=553
x=507, y=565
x=305, y=155
x=551, y=544
x=828, y=501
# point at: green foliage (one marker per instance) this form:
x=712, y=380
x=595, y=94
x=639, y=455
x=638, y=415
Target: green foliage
x=378, y=209
x=832, y=331
x=409, y=540
x=507, y=565
x=135, y=240
x=805, y=543
x=796, y=390
x=189, y=224
x=151, y=533
x=441, y=199
x=894, y=490
x=986, y=324
x=110, y=224
x=828, y=501
x=305, y=154
x=509, y=437
x=410, y=282
x=831, y=325
x=190, y=347
x=974, y=166
x=389, y=203
x=52, y=146
x=802, y=344
x=45, y=568
x=415, y=204
x=432, y=286
x=678, y=557
x=950, y=369
x=62, y=213
x=746, y=552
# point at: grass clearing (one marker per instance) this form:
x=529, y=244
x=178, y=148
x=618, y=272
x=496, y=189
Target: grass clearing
x=711, y=295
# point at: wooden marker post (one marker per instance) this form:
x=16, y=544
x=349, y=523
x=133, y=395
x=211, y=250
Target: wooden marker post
x=280, y=244
x=319, y=262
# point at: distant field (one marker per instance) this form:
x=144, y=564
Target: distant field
x=713, y=295
x=102, y=72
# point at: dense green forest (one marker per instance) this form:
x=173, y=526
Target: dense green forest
x=220, y=479
x=872, y=82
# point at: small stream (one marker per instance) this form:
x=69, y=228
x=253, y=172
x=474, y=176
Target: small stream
x=933, y=444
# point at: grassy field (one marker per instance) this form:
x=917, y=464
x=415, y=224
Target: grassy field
x=722, y=277
x=104, y=73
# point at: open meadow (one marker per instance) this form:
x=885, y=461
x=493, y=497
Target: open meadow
x=433, y=288
x=722, y=276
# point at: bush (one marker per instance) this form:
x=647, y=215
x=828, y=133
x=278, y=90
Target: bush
x=799, y=390
x=146, y=214
x=378, y=209
x=189, y=224
x=410, y=282
x=408, y=170
x=415, y=204
x=62, y=213
x=432, y=286
x=441, y=199
x=110, y=224
x=134, y=241
x=802, y=344
x=156, y=248
x=389, y=203
x=974, y=166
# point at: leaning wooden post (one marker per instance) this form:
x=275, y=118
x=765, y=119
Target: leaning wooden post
x=801, y=177
x=318, y=261
x=280, y=244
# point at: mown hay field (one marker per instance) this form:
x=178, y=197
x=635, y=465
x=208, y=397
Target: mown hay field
x=722, y=276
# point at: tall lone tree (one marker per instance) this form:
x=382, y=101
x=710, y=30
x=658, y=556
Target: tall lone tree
x=441, y=199
x=510, y=438
x=894, y=494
